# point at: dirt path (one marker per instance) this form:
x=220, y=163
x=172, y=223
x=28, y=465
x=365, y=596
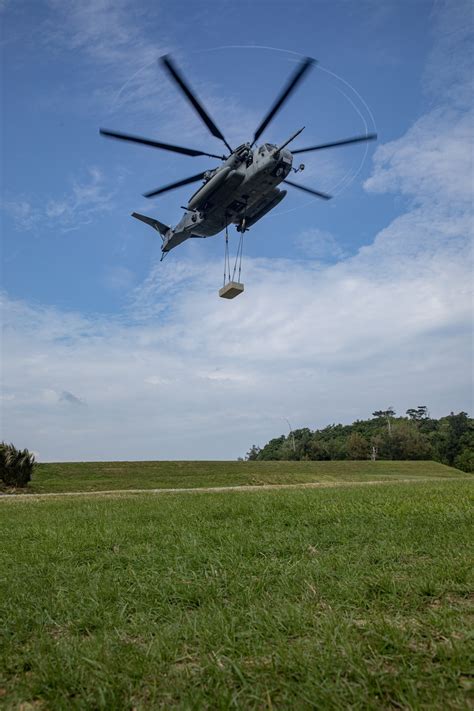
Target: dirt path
x=221, y=489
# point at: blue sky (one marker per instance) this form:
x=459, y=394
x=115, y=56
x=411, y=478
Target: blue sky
x=350, y=306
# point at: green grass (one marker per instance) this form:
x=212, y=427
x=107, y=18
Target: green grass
x=100, y=476
x=288, y=599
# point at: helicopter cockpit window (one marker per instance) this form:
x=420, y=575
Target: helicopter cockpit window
x=242, y=152
x=269, y=147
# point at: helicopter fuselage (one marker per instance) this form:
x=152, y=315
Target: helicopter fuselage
x=240, y=191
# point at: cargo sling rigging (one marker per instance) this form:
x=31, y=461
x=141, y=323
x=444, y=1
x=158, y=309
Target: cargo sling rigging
x=238, y=258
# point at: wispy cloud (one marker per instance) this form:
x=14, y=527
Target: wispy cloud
x=432, y=162
x=71, y=399
x=127, y=80
x=119, y=278
x=198, y=376
x=449, y=73
x=86, y=199
x=319, y=244
x=106, y=30
x=108, y=42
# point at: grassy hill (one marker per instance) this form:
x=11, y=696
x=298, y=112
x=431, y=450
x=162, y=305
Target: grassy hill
x=100, y=476
x=351, y=597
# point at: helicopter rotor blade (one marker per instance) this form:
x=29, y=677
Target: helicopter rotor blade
x=317, y=193
x=156, y=144
x=343, y=142
x=176, y=76
x=289, y=88
x=173, y=186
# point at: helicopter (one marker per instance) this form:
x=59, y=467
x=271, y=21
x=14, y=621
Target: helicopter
x=244, y=187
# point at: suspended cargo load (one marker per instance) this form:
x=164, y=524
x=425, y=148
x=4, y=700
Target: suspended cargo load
x=231, y=290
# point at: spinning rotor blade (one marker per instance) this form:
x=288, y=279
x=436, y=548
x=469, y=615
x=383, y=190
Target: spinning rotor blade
x=156, y=144
x=343, y=142
x=324, y=196
x=176, y=76
x=172, y=186
x=290, y=87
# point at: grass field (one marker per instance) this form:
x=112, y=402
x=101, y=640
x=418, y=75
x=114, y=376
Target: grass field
x=356, y=597
x=100, y=476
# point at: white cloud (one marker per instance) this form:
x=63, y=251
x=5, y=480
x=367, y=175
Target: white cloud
x=205, y=377
x=319, y=244
x=126, y=77
x=431, y=162
x=449, y=71
x=119, y=278
x=107, y=31
x=156, y=380
x=22, y=212
x=107, y=40
x=86, y=199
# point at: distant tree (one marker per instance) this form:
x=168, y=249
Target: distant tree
x=299, y=444
x=318, y=449
x=273, y=449
x=357, y=447
x=454, y=435
x=253, y=453
x=336, y=447
x=387, y=415
x=465, y=460
x=406, y=442
x=418, y=413
x=381, y=444
x=389, y=412
x=289, y=452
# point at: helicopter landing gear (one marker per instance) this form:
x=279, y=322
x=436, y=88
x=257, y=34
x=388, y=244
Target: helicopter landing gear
x=242, y=226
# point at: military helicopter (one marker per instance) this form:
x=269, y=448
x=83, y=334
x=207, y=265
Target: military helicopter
x=244, y=187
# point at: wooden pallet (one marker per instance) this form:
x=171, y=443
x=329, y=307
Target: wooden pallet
x=231, y=290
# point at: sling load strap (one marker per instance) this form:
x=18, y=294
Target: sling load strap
x=238, y=258
x=226, y=256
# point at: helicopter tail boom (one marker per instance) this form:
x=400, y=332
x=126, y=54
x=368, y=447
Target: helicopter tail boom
x=156, y=224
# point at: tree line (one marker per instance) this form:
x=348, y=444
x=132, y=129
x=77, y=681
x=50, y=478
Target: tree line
x=385, y=435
